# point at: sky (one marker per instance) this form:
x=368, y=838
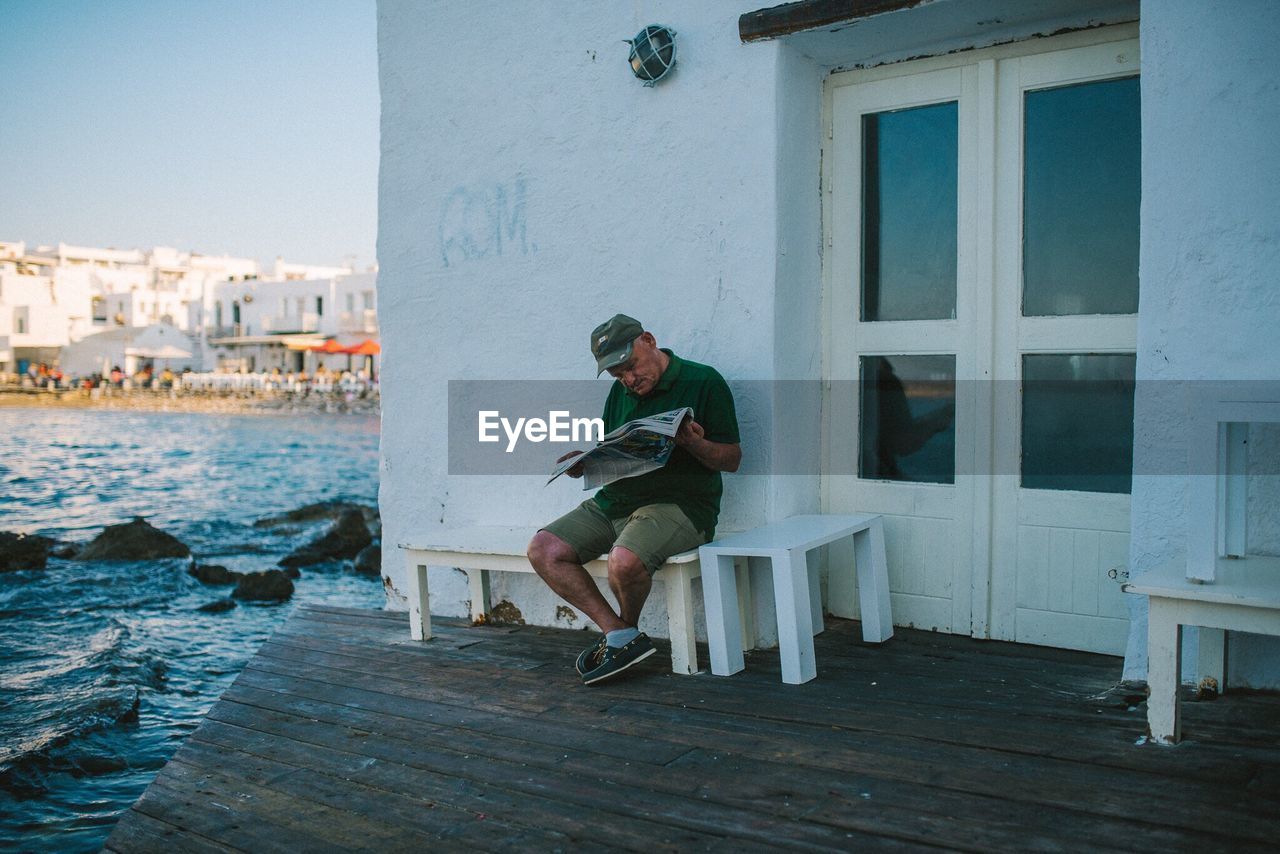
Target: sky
x=219, y=126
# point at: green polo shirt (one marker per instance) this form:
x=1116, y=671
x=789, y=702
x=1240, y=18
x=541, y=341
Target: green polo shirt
x=683, y=481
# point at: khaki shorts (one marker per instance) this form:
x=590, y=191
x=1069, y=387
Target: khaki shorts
x=653, y=533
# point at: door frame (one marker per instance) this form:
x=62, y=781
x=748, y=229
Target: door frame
x=979, y=604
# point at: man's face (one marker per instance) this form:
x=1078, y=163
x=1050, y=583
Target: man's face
x=640, y=373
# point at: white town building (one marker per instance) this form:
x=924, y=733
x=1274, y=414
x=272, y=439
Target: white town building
x=261, y=325
x=129, y=348
x=51, y=296
x=982, y=198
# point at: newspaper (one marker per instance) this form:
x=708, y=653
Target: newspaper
x=635, y=448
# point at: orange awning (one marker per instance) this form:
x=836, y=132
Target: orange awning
x=367, y=347
x=330, y=346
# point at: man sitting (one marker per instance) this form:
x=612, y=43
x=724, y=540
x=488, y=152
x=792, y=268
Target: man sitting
x=640, y=521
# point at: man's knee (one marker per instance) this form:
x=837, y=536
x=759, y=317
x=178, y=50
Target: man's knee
x=546, y=548
x=625, y=566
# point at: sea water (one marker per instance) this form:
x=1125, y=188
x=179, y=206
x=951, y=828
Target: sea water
x=105, y=667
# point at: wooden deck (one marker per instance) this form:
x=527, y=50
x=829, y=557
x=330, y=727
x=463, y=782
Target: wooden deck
x=341, y=734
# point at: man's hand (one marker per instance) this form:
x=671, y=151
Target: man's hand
x=717, y=456
x=690, y=433
x=574, y=470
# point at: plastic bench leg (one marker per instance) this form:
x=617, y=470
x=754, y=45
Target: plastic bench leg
x=813, y=561
x=678, y=580
x=795, y=616
x=873, y=582
x=419, y=599
x=720, y=596
x=1164, y=667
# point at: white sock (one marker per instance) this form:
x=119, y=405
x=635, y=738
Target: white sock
x=621, y=637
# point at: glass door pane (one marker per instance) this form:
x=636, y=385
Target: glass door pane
x=1077, y=421
x=908, y=413
x=909, y=173
x=1080, y=205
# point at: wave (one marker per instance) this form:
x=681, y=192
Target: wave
x=26, y=768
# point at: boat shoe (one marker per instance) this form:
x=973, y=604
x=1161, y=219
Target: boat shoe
x=587, y=658
x=605, y=661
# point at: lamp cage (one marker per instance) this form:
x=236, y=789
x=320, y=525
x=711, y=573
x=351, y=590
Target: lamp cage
x=653, y=53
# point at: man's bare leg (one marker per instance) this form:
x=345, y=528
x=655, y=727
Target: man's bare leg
x=557, y=564
x=630, y=582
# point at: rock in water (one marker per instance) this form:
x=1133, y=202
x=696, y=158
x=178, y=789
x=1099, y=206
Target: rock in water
x=270, y=586
x=211, y=573
x=323, y=511
x=23, y=551
x=218, y=606
x=136, y=540
x=369, y=561
x=341, y=542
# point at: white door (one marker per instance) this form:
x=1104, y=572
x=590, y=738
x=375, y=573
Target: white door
x=981, y=323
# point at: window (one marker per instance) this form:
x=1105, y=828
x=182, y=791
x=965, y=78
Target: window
x=351, y=303
x=908, y=413
x=1080, y=199
x=368, y=300
x=320, y=306
x=909, y=213
x=1077, y=421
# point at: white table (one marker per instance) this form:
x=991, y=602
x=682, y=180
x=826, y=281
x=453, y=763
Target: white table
x=1244, y=596
x=791, y=544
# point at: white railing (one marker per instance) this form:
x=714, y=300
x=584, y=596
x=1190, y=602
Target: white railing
x=308, y=322
x=364, y=322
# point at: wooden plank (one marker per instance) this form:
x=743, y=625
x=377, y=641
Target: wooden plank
x=341, y=722
x=460, y=800
x=273, y=826
x=545, y=731
x=138, y=832
x=796, y=17
x=989, y=772
x=1079, y=736
x=401, y=811
x=1034, y=700
x=613, y=790
x=798, y=794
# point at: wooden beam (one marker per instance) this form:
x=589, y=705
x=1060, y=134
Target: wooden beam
x=810, y=14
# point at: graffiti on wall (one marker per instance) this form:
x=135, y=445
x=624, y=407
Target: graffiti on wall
x=484, y=222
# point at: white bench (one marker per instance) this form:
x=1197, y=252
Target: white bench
x=792, y=546
x=1221, y=587
x=1244, y=597
x=481, y=550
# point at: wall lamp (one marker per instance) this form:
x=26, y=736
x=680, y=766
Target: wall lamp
x=653, y=53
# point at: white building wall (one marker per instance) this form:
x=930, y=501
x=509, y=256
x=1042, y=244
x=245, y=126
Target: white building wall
x=1209, y=268
x=558, y=191
x=53, y=312
x=355, y=306
x=271, y=307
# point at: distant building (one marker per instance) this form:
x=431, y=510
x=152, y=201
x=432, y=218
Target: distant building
x=130, y=348
x=51, y=296
x=263, y=325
